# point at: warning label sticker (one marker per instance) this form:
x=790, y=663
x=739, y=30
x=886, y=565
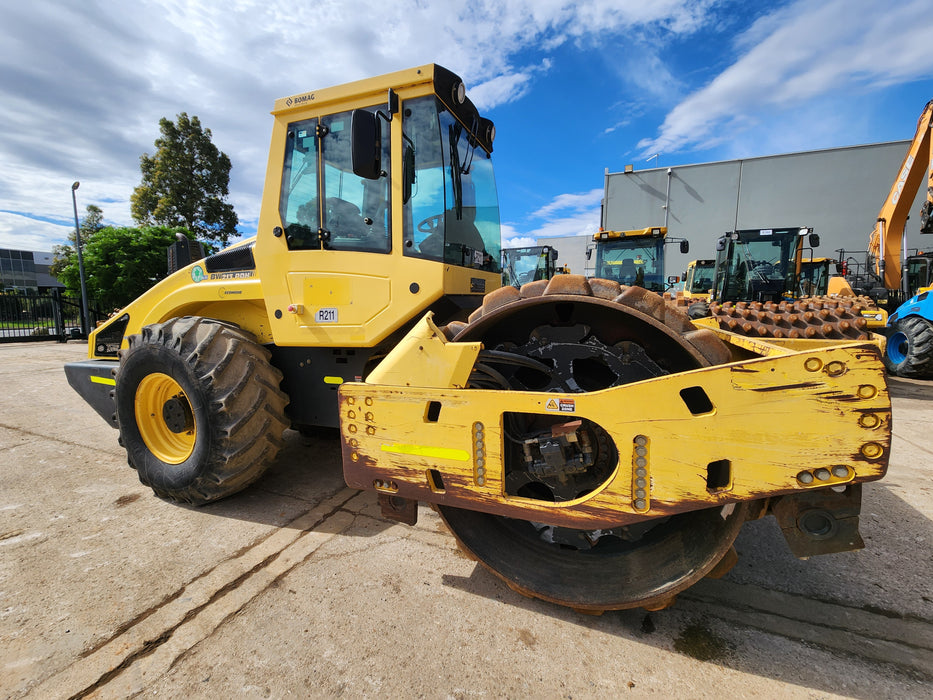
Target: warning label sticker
x=561, y=405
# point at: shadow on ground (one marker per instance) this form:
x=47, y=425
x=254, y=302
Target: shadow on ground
x=714, y=621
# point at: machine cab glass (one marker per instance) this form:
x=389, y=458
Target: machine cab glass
x=451, y=210
x=323, y=204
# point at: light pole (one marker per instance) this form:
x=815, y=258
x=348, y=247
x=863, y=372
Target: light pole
x=85, y=318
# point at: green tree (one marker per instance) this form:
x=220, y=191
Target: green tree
x=90, y=223
x=121, y=263
x=185, y=182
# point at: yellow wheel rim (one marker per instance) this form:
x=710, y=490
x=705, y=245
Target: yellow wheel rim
x=165, y=418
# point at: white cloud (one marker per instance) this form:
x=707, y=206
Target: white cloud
x=581, y=224
x=509, y=235
x=22, y=233
x=795, y=55
x=500, y=90
x=519, y=242
x=83, y=85
x=572, y=214
x=573, y=202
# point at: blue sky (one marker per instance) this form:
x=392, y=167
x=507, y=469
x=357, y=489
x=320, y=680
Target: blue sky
x=574, y=89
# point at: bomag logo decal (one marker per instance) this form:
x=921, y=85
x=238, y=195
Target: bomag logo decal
x=561, y=405
x=197, y=274
x=300, y=100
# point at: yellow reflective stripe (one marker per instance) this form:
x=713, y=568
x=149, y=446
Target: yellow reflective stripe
x=103, y=380
x=333, y=380
x=423, y=451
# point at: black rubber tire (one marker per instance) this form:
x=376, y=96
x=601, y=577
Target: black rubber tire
x=909, y=351
x=698, y=309
x=236, y=409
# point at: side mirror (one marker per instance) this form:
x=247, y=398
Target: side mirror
x=721, y=244
x=685, y=247
x=589, y=253
x=814, y=240
x=553, y=253
x=366, y=144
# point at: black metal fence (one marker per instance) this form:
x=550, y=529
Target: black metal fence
x=47, y=316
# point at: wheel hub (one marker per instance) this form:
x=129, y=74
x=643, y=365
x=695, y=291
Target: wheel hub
x=164, y=418
x=581, y=361
x=176, y=412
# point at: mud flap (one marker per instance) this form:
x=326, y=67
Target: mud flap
x=94, y=381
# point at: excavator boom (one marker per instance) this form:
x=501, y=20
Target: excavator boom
x=885, y=247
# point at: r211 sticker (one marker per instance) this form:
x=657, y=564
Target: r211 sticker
x=328, y=315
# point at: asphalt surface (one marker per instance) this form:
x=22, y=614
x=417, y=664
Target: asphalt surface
x=297, y=588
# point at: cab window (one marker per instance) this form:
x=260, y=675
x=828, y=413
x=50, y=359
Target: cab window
x=452, y=213
x=323, y=204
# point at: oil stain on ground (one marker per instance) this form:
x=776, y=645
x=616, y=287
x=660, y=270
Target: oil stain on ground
x=698, y=641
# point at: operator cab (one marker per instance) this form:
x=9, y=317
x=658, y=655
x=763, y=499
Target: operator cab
x=700, y=277
x=633, y=258
x=336, y=183
x=529, y=264
x=380, y=206
x=814, y=277
x=760, y=264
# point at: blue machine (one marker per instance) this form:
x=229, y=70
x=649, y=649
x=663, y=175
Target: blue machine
x=909, y=350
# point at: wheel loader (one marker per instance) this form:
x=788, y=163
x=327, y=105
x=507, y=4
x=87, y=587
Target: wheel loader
x=582, y=440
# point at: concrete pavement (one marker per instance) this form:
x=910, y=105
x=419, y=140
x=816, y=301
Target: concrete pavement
x=296, y=587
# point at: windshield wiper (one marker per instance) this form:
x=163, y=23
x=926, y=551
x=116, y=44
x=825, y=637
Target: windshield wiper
x=454, y=136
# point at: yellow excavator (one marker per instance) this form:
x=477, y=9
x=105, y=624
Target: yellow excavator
x=583, y=440
x=900, y=283
x=907, y=280
x=886, y=248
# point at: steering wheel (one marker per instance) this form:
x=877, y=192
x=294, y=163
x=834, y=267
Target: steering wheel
x=431, y=224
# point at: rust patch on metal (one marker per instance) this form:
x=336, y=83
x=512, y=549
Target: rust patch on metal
x=605, y=289
x=568, y=284
x=642, y=300
x=787, y=387
x=708, y=345
x=808, y=318
x=677, y=319
x=500, y=297
x=820, y=522
x=724, y=566
x=533, y=289
x=452, y=329
x=403, y=510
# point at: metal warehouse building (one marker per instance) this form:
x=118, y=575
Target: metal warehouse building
x=838, y=192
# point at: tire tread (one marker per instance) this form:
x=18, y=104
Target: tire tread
x=245, y=403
